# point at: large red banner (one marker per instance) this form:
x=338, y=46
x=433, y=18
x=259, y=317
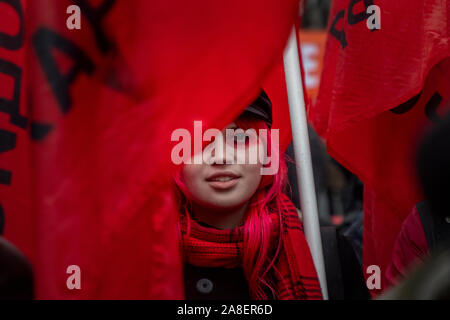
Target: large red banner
x=380, y=89
x=86, y=117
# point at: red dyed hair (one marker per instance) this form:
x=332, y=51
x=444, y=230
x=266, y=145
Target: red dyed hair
x=257, y=225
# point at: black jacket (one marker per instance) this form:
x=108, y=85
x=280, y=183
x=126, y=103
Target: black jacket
x=215, y=283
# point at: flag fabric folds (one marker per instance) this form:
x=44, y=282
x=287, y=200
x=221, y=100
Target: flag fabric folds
x=380, y=89
x=86, y=117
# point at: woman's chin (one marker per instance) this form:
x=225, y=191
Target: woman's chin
x=224, y=204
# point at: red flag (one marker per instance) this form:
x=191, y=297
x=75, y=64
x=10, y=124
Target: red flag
x=86, y=117
x=275, y=86
x=380, y=88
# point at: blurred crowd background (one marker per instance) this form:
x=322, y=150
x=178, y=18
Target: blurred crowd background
x=339, y=192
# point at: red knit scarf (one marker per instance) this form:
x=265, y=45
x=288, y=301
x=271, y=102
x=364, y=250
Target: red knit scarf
x=293, y=269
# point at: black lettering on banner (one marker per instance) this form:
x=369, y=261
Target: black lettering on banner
x=11, y=107
x=7, y=143
x=44, y=40
x=5, y=177
x=361, y=16
x=14, y=42
x=38, y=131
x=339, y=34
x=406, y=106
x=95, y=17
x=431, y=107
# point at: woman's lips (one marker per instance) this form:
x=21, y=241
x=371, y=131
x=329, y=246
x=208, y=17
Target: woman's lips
x=223, y=181
x=223, y=185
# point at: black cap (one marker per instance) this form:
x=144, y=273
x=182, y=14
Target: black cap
x=261, y=108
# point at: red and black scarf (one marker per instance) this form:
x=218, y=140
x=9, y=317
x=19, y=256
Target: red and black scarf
x=293, y=269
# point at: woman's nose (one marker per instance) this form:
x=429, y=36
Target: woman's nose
x=221, y=153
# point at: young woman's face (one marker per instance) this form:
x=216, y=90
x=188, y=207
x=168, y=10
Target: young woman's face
x=223, y=186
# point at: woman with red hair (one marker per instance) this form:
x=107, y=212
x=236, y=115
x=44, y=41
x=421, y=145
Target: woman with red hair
x=241, y=235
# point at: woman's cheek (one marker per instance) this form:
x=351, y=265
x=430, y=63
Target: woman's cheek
x=191, y=178
x=253, y=173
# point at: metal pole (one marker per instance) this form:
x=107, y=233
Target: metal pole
x=302, y=152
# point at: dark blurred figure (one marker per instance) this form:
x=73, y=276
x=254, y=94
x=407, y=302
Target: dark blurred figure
x=345, y=280
x=338, y=191
x=426, y=231
x=351, y=196
x=434, y=173
x=315, y=14
x=16, y=276
x=319, y=158
x=430, y=282
x=334, y=185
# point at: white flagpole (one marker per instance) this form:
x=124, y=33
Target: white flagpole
x=303, y=161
